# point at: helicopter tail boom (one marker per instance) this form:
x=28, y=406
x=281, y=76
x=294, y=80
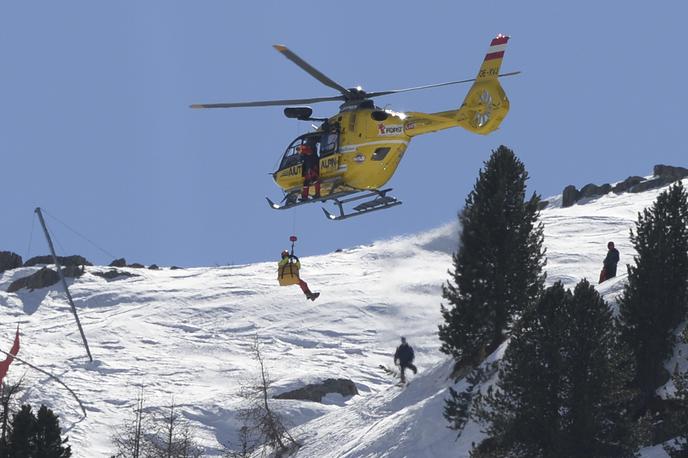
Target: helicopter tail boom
x=484, y=107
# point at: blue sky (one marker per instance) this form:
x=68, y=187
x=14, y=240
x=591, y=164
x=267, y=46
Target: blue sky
x=95, y=124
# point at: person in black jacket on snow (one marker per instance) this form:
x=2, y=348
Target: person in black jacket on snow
x=611, y=261
x=404, y=358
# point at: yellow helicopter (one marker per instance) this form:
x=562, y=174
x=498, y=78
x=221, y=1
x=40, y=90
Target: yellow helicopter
x=356, y=151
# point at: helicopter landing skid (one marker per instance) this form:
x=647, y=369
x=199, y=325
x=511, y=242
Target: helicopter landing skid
x=381, y=201
x=291, y=202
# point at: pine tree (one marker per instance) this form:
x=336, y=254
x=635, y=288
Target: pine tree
x=20, y=442
x=36, y=437
x=497, y=270
x=598, y=369
x=48, y=436
x=679, y=419
x=457, y=409
x=656, y=296
x=561, y=389
x=8, y=395
x=523, y=412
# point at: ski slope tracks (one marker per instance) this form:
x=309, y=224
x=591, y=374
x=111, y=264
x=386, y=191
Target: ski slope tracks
x=185, y=336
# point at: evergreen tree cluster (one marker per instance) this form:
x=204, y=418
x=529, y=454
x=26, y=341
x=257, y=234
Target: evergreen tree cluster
x=574, y=381
x=35, y=436
x=562, y=388
x=679, y=418
x=655, y=299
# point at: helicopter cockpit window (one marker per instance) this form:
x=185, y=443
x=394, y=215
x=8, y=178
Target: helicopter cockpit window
x=292, y=157
x=329, y=144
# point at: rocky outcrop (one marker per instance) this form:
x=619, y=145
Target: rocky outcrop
x=669, y=172
x=663, y=175
x=648, y=184
x=569, y=196
x=74, y=260
x=121, y=262
x=114, y=274
x=315, y=392
x=44, y=278
x=627, y=184
x=153, y=267
x=9, y=261
x=72, y=271
x=592, y=190
x=41, y=279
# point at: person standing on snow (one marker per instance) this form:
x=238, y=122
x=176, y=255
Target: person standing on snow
x=403, y=357
x=610, y=262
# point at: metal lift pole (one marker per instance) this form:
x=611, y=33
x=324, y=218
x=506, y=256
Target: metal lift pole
x=64, y=283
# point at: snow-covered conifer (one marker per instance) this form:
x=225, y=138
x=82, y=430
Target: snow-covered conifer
x=497, y=270
x=655, y=299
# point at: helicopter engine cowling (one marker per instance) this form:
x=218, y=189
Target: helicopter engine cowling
x=301, y=113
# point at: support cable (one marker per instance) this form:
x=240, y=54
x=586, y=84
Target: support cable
x=103, y=250
x=28, y=251
x=49, y=375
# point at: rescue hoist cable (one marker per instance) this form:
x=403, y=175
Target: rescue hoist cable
x=293, y=240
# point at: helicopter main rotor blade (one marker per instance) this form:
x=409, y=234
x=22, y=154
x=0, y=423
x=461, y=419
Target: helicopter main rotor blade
x=286, y=52
x=417, y=88
x=268, y=103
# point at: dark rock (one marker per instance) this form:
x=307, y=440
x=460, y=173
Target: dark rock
x=72, y=271
x=543, y=204
x=316, y=391
x=9, y=261
x=74, y=260
x=113, y=274
x=41, y=279
x=664, y=175
x=153, y=267
x=670, y=172
x=44, y=278
x=569, y=196
x=136, y=265
x=592, y=190
x=121, y=262
x=627, y=184
x=175, y=268
x=650, y=184
x=338, y=250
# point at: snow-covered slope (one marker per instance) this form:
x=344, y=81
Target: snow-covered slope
x=185, y=335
